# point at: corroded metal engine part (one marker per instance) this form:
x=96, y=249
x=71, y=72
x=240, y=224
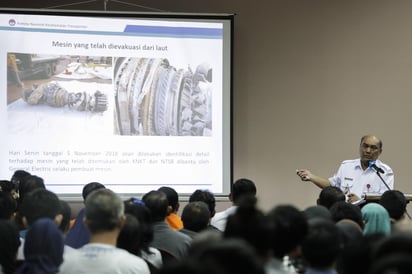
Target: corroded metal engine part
x=154, y=98
x=54, y=95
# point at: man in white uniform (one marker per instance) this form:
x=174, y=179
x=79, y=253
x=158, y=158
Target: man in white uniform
x=104, y=217
x=356, y=177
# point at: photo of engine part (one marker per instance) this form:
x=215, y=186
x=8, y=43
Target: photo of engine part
x=54, y=95
x=153, y=98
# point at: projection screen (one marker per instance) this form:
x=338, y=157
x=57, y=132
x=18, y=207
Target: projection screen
x=131, y=100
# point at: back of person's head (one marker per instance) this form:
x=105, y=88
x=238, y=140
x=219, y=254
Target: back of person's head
x=321, y=246
x=138, y=209
x=317, y=211
x=8, y=205
x=104, y=211
x=28, y=184
x=205, y=196
x=355, y=257
x=343, y=210
x=130, y=236
x=376, y=219
x=17, y=176
x=289, y=229
x=7, y=186
x=172, y=197
x=349, y=231
x=250, y=224
x=41, y=203
x=43, y=248
x=195, y=216
x=156, y=201
x=66, y=212
x=9, y=244
x=230, y=256
x=393, y=254
x=329, y=195
x=88, y=188
x=395, y=203
x=242, y=187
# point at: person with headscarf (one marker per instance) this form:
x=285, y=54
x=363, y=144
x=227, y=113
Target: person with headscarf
x=376, y=218
x=43, y=248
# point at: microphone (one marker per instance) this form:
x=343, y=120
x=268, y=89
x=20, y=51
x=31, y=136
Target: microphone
x=375, y=167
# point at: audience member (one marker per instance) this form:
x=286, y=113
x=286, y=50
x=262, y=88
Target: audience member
x=137, y=208
x=251, y=225
x=395, y=203
x=355, y=257
x=209, y=198
x=165, y=238
x=343, y=210
x=289, y=228
x=329, y=195
x=26, y=185
x=317, y=211
x=8, y=206
x=104, y=217
x=376, y=219
x=321, y=247
x=18, y=176
x=349, y=231
x=195, y=217
x=9, y=244
x=43, y=248
x=130, y=235
x=173, y=220
x=66, y=212
x=393, y=254
x=230, y=256
x=78, y=235
x=9, y=187
x=241, y=188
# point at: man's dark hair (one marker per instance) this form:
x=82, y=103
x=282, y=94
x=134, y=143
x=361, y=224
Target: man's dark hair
x=196, y=216
x=395, y=203
x=66, y=212
x=88, y=188
x=343, y=210
x=172, y=196
x=103, y=210
x=329, y=195
x=242, y=187
x=321, y=246
x=156, y=201
x=28, y=184
x=7, y=186
x=7, y=205
x=17, y=176
x=40, y=203
x=289, y=228
x=205, y=196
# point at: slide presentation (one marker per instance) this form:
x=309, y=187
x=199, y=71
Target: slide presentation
x=133, y=102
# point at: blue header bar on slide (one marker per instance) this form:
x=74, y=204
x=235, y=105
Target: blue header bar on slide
x=181, y=32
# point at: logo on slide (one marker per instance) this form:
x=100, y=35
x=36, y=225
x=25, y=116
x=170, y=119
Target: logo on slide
x=12, y=22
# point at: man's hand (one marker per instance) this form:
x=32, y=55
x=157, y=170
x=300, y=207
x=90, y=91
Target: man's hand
x=304, y=174
x=352, y=198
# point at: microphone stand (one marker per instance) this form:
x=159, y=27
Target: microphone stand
x=383, y=181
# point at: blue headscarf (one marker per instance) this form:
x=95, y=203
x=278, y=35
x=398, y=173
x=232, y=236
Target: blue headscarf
x=43, y=248
x=376, y=219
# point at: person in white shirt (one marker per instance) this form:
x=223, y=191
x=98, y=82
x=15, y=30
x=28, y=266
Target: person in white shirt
x=242, y=187
x=356, y=177
x=104, y=217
